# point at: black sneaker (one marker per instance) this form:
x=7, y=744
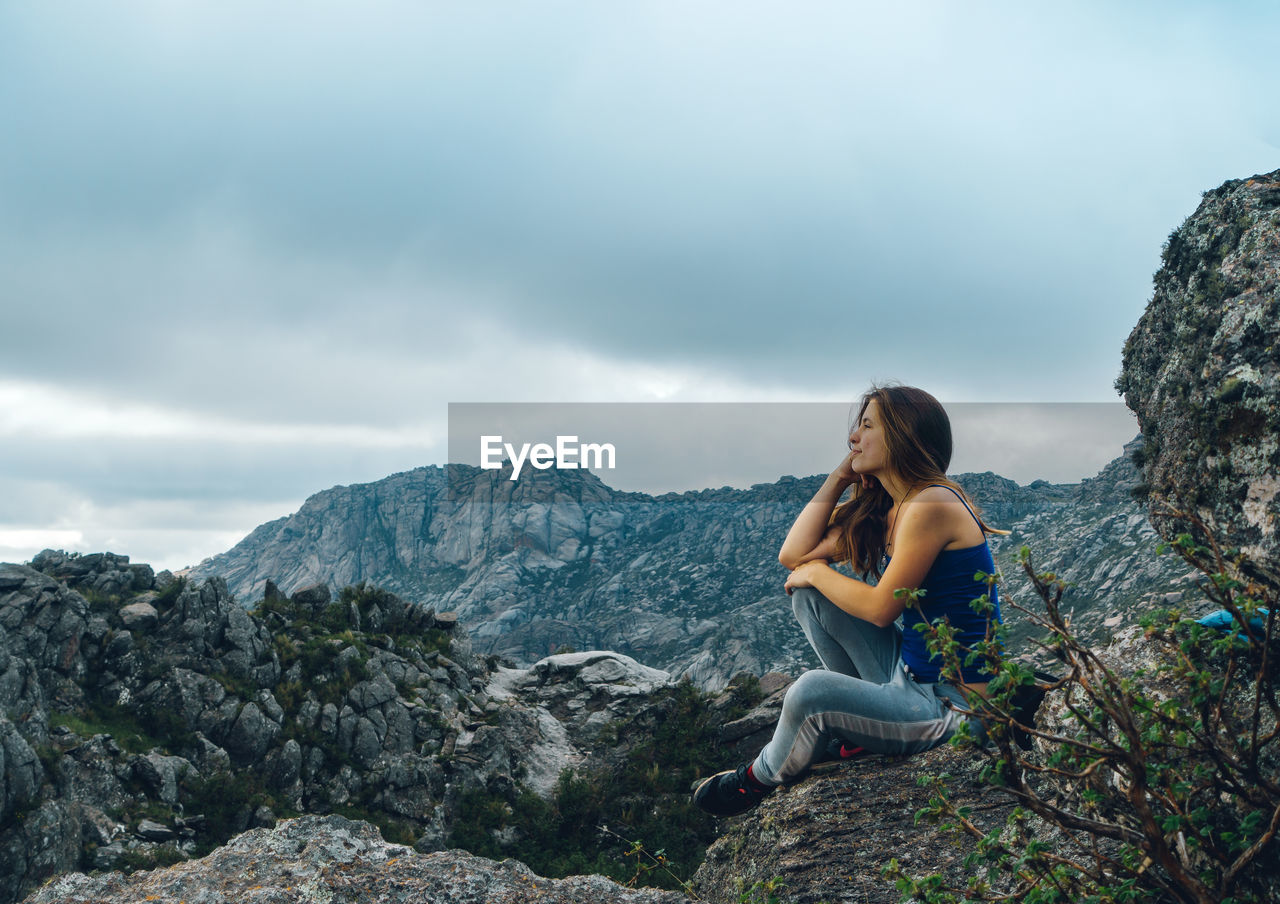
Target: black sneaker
x=728, y=793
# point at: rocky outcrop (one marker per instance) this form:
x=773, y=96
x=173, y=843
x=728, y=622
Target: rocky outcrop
x=146, y=720
x=688, y=583
x=1202, y=371
x=829, y=837
x=336, y=860
x=575, y=697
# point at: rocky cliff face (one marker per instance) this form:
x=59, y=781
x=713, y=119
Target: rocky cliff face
x=1202, y=370
x=145, y=720
x=687, y=583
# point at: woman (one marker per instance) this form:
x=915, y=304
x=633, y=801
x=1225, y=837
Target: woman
x=879, y=691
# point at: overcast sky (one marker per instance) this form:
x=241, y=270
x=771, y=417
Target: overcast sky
x=249, y=251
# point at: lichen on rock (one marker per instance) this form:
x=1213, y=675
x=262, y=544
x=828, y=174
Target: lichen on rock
x=1202, y=371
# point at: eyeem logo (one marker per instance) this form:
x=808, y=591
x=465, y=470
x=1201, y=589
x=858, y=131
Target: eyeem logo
x=567, y=453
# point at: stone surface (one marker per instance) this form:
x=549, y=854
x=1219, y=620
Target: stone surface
x=139, y=616
x=1202, y=371
x=829, y=836
x=338, y=861
x=574, y=696
x=150, y=830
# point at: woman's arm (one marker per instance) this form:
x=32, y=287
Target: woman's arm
x=925, y=529
x=809, y=537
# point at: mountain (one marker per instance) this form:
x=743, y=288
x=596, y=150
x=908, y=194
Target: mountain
x=687, y=582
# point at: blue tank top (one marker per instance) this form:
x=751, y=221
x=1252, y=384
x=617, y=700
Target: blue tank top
x=949, y=589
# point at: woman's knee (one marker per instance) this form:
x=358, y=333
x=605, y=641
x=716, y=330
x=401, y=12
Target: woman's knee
x=805, y=602
x=813, y=692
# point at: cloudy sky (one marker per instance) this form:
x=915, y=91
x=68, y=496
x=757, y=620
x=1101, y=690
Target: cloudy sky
x=249, y=251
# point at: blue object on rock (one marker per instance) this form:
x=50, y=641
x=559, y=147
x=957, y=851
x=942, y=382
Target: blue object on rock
x=1225, y=621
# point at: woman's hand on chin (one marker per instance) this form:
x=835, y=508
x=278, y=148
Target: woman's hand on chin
x=802, y=576
x=844, y=471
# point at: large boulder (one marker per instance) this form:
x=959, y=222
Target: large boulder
x=1202, y=371
x=334, y=859
x=828, y=837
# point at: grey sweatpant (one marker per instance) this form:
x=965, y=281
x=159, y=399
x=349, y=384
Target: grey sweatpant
x=862, y=695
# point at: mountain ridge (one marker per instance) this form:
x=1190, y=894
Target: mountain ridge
x=686, y=582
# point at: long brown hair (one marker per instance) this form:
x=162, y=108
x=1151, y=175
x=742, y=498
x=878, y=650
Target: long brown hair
x=917, y=435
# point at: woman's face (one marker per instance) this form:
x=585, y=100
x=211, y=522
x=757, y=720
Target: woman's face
x=870, y=454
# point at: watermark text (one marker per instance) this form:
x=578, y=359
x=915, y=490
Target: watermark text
x=567, y=454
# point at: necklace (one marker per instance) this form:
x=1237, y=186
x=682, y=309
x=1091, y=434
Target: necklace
x=884, y=556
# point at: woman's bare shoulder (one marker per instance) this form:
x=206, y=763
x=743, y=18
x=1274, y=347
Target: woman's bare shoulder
x=951, y=515
x=936, y=493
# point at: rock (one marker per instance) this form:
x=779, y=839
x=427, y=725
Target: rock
x=144, y=577
x=250, y=735
x=20, y=771
x=314, y=597
x=139, y=616
x=371, y=694
x=1202, y=372
x=108, y=855
x=161, y=774
x=583, y=692
x=329, y=719
x=98, y=828
x=366, y=746
x=150, y=830
x=284, y=765
x=343, y=862
x=746, y=736
x=209, y=758
x=828, y=836
x=45, y=842
x=186, y=694
x=263, y=818
x=93, y=772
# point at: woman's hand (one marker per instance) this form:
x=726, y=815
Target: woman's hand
x=810, y=536
x=802, y=575
x=845, y=473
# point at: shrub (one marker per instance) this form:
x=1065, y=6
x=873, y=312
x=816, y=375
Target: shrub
x=1160, y=785
x=169, y=594
x=118, y=721
x=150, y=858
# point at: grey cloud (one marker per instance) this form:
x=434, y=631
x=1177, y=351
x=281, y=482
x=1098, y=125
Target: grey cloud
x=49, y=474
x=642, y=187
